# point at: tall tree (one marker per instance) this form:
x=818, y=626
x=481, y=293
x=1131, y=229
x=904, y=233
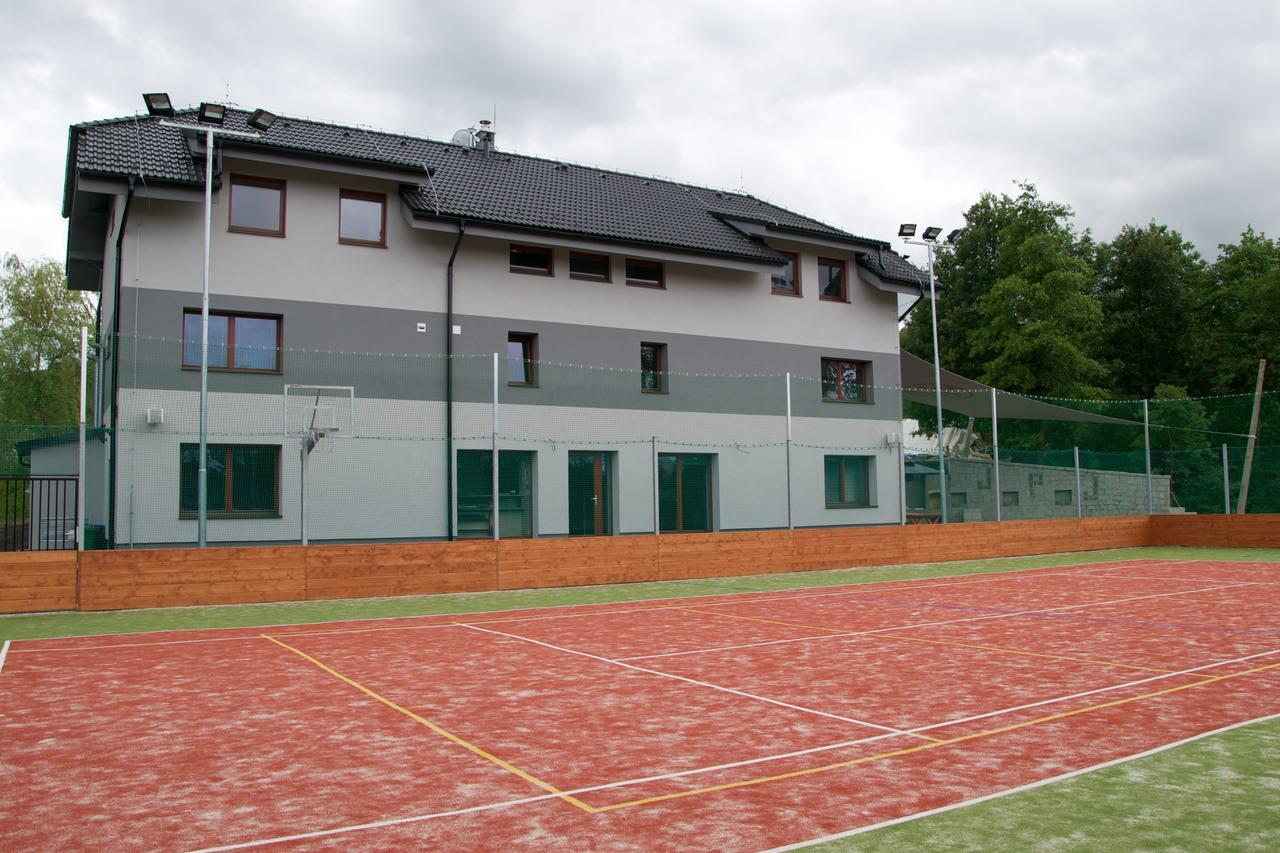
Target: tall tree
x=1148, y=279
x=40, y=322
x=1015, y=306
x=1238, y=321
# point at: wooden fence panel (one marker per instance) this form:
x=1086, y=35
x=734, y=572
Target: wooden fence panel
x=35, y=581
x=415, y=568
x=714, y=555
x=173, y=577
x=576, y=561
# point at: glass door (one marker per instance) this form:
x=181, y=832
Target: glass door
x=684, y=492
x=590, y=507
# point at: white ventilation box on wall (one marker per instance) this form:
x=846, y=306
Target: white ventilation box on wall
x=155, y=415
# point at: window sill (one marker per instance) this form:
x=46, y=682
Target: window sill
x=577, y=276
x=651, y=285
x=366, y=243
x=654, y=391
x=794, y=293
x=532, y=271
x=844, y=299
x=257, y=232
x=234, y=516
x=847, y=402
x=261, y=371
x=522, y=384
x=853, y=506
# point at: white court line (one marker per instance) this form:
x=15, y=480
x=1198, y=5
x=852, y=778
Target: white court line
x=763, y=759
x=662, y=674
x=1027, y=787
x=1012, y=574
x=4, y=652
x=845, y=634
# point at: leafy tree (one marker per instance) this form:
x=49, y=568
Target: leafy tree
x=1148, y=280
x=40, y=322
x=1239, y=316
x=1015, y=308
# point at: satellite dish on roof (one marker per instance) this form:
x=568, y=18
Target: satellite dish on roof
x=466, y=136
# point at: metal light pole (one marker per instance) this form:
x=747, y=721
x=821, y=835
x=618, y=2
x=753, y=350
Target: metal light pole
x=202, y=498
x=930, y=242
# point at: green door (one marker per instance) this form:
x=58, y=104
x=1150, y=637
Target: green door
x=590, y=509
x=475, y=493
x=684, y=492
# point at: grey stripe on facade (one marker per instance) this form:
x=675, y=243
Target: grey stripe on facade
x=380, y=352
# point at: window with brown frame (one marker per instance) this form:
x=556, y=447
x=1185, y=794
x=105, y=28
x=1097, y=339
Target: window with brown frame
x=257, y=206
x=589, y=267
x=831, y=280
x=786, y=281
x=532, y=260
x=847, y=481
x=845, y=380
x=522, y=359
x=653, y=368
x=362, y=218
x=243, y=481
x=250, y=343
x=642, y=273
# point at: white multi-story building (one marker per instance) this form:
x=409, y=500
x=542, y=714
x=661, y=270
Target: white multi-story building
x=645, y=328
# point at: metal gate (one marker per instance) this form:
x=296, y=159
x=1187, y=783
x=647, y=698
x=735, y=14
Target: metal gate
x=38, y=513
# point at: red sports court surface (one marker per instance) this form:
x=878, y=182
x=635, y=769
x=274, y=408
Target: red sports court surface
x=734, y=722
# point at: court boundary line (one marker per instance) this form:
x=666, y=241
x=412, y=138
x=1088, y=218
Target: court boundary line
x=4, y=653
x=840, y=765
x=678, y=774
x=1019, y=789
x=438, y=729
x=935, y=624
x=698, y=683
x=1152, y=561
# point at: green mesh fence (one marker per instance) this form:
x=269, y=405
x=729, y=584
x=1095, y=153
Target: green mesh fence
x=377, y=446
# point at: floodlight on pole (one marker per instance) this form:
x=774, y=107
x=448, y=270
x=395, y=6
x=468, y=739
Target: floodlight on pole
x=262, y=120
x=202, y=483
x=211, y=113
x=930, y=242
x=907, y=229
x=158, y=104
x=954, y=235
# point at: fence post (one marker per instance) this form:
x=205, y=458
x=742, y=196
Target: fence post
x=995, y=456
x=1226, y=482
x=1146, y=443
x=790, y=519
x=495, y=447
x=1079, y=492
x=902, y=477
x=84, y=367
x=653, y=444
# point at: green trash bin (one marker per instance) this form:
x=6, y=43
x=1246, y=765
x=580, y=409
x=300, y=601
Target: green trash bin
x=95, y=537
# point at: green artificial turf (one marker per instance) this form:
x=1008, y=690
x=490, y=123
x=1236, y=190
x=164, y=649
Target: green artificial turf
x=1218, y=793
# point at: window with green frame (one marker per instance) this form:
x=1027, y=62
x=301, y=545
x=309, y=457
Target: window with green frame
x=243, y=481
x=684, y=492
x=848, y=481
x=475, y=493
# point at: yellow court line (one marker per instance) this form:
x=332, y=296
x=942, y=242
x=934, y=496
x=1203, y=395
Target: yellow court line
x=505, y=765
x=880, y=633
x=925, y=746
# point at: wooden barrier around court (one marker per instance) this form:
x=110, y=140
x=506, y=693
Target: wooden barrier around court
x=111, y=580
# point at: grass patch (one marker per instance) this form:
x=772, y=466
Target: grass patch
x=1219, y=793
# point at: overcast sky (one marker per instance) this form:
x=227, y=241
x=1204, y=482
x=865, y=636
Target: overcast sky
x=863, y=114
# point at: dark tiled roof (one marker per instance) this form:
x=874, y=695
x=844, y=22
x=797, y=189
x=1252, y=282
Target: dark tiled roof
x=495, y=187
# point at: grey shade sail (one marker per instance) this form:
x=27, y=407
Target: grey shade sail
x=972, y=398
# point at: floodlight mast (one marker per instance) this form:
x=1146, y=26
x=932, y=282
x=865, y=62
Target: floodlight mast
x=930, y=242
x=202, y=481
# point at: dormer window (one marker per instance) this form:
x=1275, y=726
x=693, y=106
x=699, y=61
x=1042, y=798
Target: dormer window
x=531, y=260
x=786, y=281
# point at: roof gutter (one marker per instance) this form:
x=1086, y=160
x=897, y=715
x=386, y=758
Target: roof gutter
x=115, y=365
x=448, y=379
